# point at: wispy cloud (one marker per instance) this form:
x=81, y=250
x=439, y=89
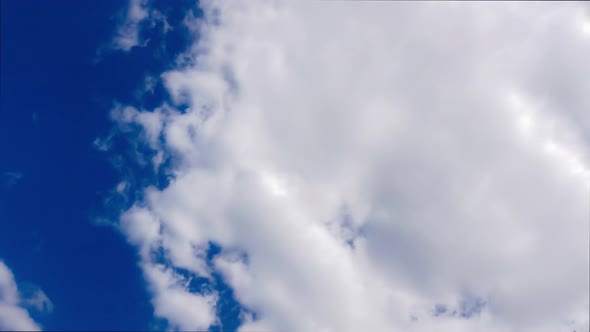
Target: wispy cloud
x=10, y=179
x=34, y=298
x=138, y=13
x=127, y=35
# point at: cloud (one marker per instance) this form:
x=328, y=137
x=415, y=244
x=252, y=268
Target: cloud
x=127, y=34
x=129, y=30
x=13, y=315
x=365, y=165
x=33, y=297
x=9, y=179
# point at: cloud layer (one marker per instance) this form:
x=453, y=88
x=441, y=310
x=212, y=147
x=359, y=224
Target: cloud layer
x=373, y=166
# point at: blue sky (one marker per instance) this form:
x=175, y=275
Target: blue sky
x=274, y=166
x=55, y=102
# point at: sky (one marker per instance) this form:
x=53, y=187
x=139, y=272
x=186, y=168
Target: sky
x=283, y=166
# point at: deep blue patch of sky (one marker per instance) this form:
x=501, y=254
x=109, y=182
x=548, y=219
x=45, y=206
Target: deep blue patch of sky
x=55, y=101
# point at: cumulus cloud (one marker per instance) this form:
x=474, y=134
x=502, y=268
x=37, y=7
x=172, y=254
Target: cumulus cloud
x=374, y=166
x=13, y=315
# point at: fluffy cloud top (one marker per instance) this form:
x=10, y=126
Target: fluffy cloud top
x=13, y=315
x=374, y=166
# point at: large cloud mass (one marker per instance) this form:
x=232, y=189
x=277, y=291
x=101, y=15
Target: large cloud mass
x=382, y=166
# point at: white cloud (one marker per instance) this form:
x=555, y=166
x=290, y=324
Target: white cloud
x=127, y=34
x=372, y=162
x=13, y=315
x=129, y=29
x=184, y=310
